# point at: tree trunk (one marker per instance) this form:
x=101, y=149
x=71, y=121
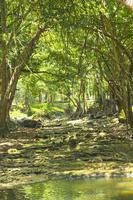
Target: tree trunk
x=85, y=106
x=129, y=107
x=3, y=119
x=8, y=88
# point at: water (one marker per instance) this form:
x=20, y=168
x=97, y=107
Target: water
x=93, y=189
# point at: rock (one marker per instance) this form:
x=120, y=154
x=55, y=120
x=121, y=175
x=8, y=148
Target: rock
x=88, y=135
x=12, y=124
x=122, y=120
x=8, y=145
x=13, y=151
x=31, y=123
x=72, y=142
x=102, y=134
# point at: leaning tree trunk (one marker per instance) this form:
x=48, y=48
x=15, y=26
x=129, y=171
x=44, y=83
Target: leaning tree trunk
x=8, y=88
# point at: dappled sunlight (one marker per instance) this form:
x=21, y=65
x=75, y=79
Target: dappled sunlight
x=60, y=149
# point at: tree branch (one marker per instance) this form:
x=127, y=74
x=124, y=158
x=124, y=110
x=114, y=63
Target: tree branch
x=21, y=61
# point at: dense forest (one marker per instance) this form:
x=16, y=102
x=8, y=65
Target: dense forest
x=64, y=60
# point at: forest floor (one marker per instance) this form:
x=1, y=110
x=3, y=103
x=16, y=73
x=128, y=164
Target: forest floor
x=66, y=148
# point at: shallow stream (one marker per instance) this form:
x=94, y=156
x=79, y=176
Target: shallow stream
x=88, y=189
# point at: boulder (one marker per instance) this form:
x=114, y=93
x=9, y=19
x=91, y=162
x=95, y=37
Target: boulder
x=31, y=123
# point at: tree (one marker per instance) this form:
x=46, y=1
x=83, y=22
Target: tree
x=81, y=36
x=120, y=79
x=21, y=25
x=16, y=23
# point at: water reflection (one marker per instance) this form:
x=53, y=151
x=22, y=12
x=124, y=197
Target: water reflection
x=98, y=189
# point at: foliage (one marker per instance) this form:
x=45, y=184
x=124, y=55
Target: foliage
x=47, y=110
x=82, y=50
